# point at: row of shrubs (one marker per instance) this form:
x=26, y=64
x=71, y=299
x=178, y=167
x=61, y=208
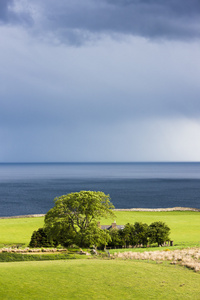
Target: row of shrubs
x=139, y=234
x=132, y=235
x=11, y=257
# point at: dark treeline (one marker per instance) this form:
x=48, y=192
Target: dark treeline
x=132, y=235
x=139, y=235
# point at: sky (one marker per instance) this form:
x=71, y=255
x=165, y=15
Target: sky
x=99, y=80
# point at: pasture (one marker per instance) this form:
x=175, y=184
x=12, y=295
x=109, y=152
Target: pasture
x=97, y=279
x=185, y=226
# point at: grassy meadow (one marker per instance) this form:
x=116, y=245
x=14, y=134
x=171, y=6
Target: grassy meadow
x=98, y=278
x=185, y=226
x=19, y=230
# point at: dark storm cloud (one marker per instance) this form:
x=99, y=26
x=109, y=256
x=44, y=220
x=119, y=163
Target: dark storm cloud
x=4, y=10
x=9, y=13
x=76, y=20
x=103, y=100
x=174, y=19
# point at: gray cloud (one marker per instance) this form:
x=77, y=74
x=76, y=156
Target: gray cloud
x=116, y=99
x=177, y=19
x=13, y=12
x=4, y=9
x=76, y=21
x=63, y=86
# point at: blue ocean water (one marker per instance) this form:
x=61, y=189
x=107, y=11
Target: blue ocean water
x=31, y=188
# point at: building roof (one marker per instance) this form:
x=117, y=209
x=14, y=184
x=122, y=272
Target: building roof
x=108, y=227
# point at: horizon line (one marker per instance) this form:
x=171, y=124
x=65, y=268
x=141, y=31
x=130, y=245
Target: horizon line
x=98, y=162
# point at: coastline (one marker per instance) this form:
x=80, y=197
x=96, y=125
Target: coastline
x=117, y=209
x=159, y=209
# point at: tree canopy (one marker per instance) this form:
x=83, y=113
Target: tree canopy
x=158, y=232
x=73, y=219
x=39, y=238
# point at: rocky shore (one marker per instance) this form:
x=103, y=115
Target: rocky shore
x=158, y=209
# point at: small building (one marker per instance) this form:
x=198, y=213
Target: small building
x=112, y=226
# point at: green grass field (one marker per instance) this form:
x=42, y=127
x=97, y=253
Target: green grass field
x=19, y=230
x=97, y=279
x=185, y=226
x=100, y=278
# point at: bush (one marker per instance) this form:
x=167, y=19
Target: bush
x=39, y=239
x=158, y=233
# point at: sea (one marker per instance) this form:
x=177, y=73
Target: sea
x=30, y=188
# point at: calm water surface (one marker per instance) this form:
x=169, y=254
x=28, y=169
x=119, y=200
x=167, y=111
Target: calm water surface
x=31, y=188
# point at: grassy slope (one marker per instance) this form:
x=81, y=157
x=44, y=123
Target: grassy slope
x=18, y=230
x=96, y=279
x=185, y=226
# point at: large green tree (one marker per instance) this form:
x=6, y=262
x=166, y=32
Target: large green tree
x=73, y=219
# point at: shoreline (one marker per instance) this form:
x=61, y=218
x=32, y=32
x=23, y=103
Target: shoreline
x=117, y=209
x=159, y=209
